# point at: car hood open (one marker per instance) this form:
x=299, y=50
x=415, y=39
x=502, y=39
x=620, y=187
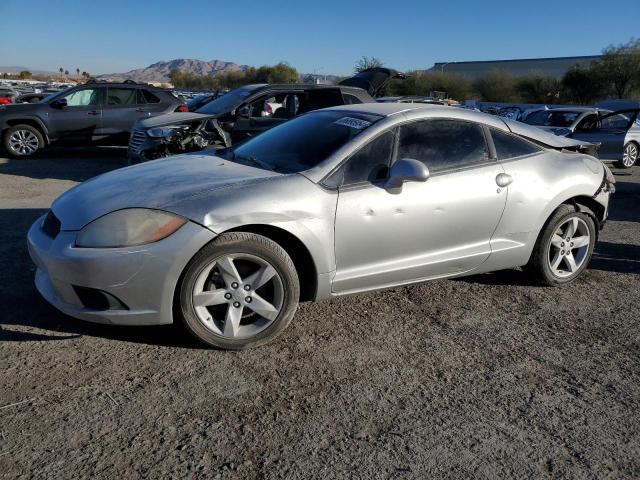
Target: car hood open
x=176, y=118
x=157, y=184
x=373, y=79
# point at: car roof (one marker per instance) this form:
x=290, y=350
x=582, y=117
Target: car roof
x=572, y=109
x=308, y=86
x=386, y=109
x=121, y=84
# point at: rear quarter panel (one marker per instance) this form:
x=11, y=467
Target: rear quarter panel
x=541, y=183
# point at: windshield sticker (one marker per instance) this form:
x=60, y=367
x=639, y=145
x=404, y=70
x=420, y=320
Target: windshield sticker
x=353, y=123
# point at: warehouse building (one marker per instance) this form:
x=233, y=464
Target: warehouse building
x=555, y=67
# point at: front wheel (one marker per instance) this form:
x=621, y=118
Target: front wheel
x=239, y=291
x=629, y=155
x=23, y=141
x=563, y=248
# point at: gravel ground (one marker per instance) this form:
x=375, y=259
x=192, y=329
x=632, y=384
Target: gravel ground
x=482, y=377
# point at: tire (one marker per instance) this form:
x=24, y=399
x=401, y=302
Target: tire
x=630, y=154
x=23, y=141
x=549, y=248
x=225, y=286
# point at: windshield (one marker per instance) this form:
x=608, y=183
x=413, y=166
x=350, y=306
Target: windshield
x=550, y=118
x=304, y=142
x=228, y=101
x=54, y=95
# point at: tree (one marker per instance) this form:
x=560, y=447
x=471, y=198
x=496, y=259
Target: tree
x=498, y=86
x=280, y=73
x=539, y=88
x=583, y=84
x=422, y=83
x=85, y=74
x=77, y=72
x=61, y=70
x=367, y=62
x=619, y=67
x=66, y=72
x=25, y=74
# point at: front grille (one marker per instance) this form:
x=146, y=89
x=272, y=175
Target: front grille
x=51, y=225
x=136, y=140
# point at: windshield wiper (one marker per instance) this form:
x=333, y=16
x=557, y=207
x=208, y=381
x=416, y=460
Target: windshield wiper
x=255, y=161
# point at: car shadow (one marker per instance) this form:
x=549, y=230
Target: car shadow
x=616, y=257
x=624, y=202
x=76, y=164
x=26, y=309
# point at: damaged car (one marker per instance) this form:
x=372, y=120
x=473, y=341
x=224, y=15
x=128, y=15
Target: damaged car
x=616, y=133
x=246, y=112
x=337, y=201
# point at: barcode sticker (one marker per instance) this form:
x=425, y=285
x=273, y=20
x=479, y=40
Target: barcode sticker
x=352, y=123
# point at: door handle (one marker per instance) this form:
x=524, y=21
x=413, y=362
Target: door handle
x=503, y=179
x=93, y=112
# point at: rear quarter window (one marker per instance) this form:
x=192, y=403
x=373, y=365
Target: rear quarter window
x=150, y=97
x=510, y=146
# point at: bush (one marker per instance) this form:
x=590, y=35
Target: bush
x=421, y=83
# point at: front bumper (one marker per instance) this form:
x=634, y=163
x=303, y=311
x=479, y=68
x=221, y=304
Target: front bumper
x=143, y=278
x=142, y=147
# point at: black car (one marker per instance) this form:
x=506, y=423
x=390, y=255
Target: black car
x=93, y=113
x=247, y=111
x=201, y=100
x=31, y=97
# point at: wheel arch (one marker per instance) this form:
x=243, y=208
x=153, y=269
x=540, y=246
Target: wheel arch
x=582, y=203
x=32, y=122
x=296, y=249
x=591, y=207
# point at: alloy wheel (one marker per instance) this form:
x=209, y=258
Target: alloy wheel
x=238, y=295
x=630, y=155
x=23, y=142
x=569, y=247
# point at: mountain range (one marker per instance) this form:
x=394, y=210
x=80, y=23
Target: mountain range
x=160, y=71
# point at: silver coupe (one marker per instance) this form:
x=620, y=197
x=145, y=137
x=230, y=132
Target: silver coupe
x=338, y=201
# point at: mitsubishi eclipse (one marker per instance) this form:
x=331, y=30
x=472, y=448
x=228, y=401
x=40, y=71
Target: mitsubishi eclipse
x=337, y=201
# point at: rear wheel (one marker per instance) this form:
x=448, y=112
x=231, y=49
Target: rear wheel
x=563, y=248
x=629, y=155
x=23, y=141
x=240, y=291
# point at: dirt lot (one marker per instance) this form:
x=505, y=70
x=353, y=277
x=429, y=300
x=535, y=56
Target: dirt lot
x=481, y=377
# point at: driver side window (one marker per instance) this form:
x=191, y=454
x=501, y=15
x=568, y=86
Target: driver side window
x=83, y=98
x=588, y=123
x=369, y=164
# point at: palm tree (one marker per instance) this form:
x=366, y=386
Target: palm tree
x=66, y=72
x=61, y=71
x=77, y=72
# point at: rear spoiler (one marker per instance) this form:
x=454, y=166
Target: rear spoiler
x=550, y=140
x=585, y=147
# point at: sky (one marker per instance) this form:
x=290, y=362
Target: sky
x=322, y=36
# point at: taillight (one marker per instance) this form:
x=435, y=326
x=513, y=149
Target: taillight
x=5, y=100
x=182, y=108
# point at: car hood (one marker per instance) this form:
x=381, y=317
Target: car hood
x=176, y=118
x=21, y=108
x=158, y=184
x=372, y=80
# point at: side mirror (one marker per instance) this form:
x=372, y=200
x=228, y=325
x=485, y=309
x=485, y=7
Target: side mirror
x=407, y=170
x=59, y=103
x=244, y=111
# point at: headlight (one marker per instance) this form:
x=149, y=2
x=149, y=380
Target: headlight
x=129, y=227
x=162, y=132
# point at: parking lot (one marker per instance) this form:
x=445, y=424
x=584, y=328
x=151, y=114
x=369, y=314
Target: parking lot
x=486, y=376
